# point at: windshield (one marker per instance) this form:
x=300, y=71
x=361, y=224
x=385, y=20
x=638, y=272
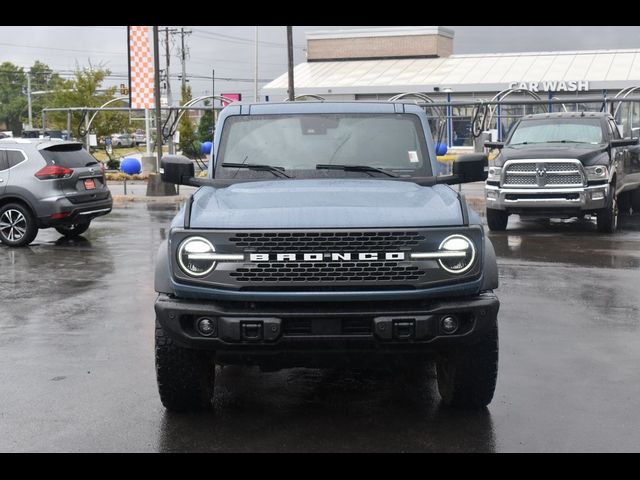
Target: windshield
x=304, y=145
x=557, y=130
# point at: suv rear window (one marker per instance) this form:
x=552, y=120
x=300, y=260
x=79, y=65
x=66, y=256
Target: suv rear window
x=69, y=156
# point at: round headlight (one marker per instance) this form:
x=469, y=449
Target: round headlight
x=194, y=256
x=462, y=251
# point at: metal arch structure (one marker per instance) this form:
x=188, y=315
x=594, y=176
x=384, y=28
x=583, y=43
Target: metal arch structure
x=624, y=93
x=307, y=95
x=504, y=94
x=183, y=109
x=114, y=100
x=440, y=116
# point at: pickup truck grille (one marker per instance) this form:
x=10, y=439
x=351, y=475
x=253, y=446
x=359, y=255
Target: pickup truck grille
x=543, y=174
x=330, y=272
x=326, y=241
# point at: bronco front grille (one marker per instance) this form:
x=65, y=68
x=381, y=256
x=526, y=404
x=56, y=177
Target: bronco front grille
x=325, y=272
x=554, y=173
x=292, y=242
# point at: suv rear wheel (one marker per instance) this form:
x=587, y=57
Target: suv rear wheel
x=185, y=376
x=17, y=225
x=467, y=376
x=72, y=231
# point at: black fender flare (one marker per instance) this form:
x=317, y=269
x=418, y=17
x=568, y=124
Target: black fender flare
x=162, y=276
x=490, y=265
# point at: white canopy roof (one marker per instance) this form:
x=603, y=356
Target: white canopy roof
x=464, y=73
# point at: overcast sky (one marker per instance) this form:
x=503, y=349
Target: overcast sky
x=230, y=50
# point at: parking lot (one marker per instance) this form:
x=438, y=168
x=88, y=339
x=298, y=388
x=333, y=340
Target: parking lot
x=77, y=366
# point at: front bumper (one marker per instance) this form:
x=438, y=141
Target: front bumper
x=517, y=200
x=251, y=333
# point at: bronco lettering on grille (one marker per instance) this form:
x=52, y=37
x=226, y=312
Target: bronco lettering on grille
x=321, y=257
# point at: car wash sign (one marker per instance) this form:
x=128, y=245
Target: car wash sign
x=552, y=86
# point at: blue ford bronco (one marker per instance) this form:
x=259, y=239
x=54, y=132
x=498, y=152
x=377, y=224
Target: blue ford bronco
x=325, y=236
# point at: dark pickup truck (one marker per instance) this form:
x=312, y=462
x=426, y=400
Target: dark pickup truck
x=564, y=165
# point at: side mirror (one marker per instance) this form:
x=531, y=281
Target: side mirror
x=470, y=168
x=492, y=145
x=624, y=142
x=176, y=169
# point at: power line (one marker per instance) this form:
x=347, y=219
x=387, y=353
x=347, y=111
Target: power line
x=243, y=40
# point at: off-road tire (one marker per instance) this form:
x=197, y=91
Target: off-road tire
x=497, y=220
x=625, y=203
x=607, y=217
x=73, y=231
x=467, y=376
x=635, y=200
x=24, y=225
x=185, y=376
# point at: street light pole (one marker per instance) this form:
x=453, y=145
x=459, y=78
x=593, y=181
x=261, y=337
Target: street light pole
x=29, y=100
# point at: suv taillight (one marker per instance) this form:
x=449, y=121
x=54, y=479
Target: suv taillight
x=53, y=171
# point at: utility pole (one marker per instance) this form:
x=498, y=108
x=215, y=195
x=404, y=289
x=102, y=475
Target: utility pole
x=255, y=83
x=183, y=54
x=290, y=55
x=29, y=100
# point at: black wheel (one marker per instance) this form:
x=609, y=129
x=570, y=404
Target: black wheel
x=624, y=203
x=635, y=200
x=72, y=231
x=607, y=217
x=497, y=220
x=467, y=377
x=185, y=376
x=17, y=225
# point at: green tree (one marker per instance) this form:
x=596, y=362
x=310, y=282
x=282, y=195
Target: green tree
x=205, y=127
x=188, y=140
x=13, y=101
x=43, y=81
x=85, y=90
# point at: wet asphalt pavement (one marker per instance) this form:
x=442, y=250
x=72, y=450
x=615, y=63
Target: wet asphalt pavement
x=77, y=372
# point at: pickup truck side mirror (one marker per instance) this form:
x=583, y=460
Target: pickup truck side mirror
x=177, y=169
x=624, y=142
x=492, y=145
x=470, y=168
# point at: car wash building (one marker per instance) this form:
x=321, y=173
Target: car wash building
x=383, y=63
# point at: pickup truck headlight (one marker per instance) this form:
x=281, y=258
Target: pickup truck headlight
x=196, y=256
x=457, y=254
x=598, y=172
x=494, y=174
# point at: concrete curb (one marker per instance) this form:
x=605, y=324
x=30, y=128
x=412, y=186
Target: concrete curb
x=124, y=199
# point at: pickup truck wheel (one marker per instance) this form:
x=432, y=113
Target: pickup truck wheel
x=73, y=231
x=624, y=203
x=635, y=200
x=467, y=376
x=17, y=225
x=497, y=220
x=185, y=376
x=608, y=217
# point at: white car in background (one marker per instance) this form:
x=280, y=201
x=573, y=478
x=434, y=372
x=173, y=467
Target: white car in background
x=122, y=140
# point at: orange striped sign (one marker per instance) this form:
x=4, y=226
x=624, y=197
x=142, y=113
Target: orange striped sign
x=140, y=68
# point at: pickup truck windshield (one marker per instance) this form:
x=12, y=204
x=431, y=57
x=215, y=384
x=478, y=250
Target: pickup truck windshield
x=557, y=130
x=298, y=143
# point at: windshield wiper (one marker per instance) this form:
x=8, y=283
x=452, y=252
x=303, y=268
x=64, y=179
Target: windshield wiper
x=277, y=171
x=356, y=168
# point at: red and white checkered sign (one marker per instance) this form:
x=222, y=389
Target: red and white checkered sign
x=141, y=67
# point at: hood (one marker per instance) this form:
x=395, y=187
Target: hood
x=587, y=154
x=325, y=203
